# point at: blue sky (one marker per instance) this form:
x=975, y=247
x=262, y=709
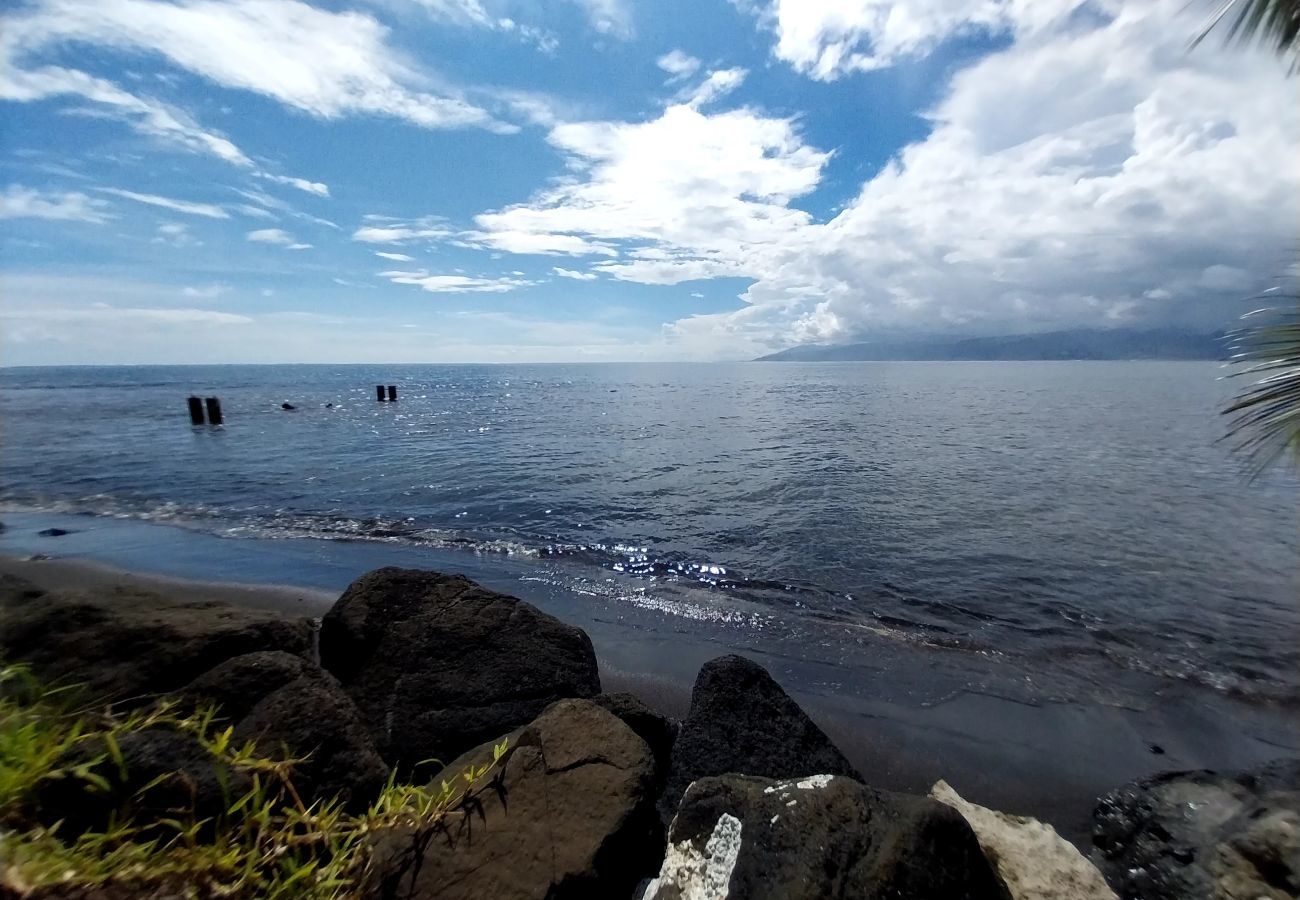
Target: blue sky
x=511, y=180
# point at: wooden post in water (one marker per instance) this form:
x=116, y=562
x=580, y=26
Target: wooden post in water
x=214, y=411
x=379, y=393
x=196, y=411
x=392, y=392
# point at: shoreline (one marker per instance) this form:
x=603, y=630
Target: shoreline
x=909, y=718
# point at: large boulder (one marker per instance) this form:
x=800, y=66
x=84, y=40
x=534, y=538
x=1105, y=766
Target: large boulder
x=820, y=836
x=569, y=813
x=1033, y=861
x=292, y=708
x=124, y=644
x=656, y=730
x=438, y=664
x=741, y=721
x=1203, y=835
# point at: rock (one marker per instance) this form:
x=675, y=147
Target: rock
x=165, y=773
x=238, y=684
x=1203, y=835
x=1033, y=861
x=126, y=644
x=820, y=836
x=657, y=731
x=569, y=815
x=742, y=721
x=438, y=664
x=53, y=532
x=292, y=708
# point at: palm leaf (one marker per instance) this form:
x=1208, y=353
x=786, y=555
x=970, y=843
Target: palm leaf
x=1265, y=423
x=1275, y=23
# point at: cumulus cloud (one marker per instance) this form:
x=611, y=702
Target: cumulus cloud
x=1090, y=173
x=826, y=39
x=1083, y=176
x=270, y=236
x=678, y=64
x=326, y=64
x=395, y=257
x=207, y=210
x=18, y=202
x=686, y=195
x=455, y=284
x=576, y=276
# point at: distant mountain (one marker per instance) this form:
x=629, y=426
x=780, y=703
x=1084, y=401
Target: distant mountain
x=1079, y=344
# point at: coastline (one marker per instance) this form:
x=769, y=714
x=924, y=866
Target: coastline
x=909, y=718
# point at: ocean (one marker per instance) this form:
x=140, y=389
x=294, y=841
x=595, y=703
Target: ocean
x=1081, y=522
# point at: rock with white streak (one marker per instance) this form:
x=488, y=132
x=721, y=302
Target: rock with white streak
x=820, y=836
x=1033, y=861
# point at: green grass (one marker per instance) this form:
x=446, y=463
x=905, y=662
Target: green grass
x=267, y=843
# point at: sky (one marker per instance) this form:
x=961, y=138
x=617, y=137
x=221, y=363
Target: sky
x=195, y=181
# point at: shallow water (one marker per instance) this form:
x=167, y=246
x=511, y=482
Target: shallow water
x=1077, y=522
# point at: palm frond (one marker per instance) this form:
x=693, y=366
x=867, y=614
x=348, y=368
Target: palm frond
x=1265, y=423
x=1275, y=23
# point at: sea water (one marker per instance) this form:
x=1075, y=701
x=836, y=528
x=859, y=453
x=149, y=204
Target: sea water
x=1080, y=522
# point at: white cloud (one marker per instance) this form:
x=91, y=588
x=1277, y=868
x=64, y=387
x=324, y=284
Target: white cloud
x=175, y=234
x=205, y=292
x=678, y=64
x=1083, y=176
x=323, y=63
x=472, y=13
x=146, y=116
x=1090, y=173
x=207, y=210
x=103, y=313
x=299, y=247
x=455, y=284
x=826, y=39
x=302, y=184
x=271, y=236
x=386, y=230
x=576, y=276
x=18, y=202
x=395, y=257
x=690, y=192
x=718, y=84
x=610, y=17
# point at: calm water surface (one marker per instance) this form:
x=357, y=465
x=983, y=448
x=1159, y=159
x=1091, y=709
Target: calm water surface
x=1079, y=520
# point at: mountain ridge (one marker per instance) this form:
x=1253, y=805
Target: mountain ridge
x=1074, y=344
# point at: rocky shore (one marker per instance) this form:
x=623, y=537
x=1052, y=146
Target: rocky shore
x=416, y=677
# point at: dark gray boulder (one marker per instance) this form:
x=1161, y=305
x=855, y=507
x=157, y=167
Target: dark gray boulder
x=656, y=730
x=568, y=813
x=438, y=664
x=164, y=774
x=817, y=837
x=126, y=644
x=293, y=709
x=238, y=684
x=742, y=721
x=1203, y=835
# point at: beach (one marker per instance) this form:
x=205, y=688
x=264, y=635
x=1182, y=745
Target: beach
x=918, y=716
